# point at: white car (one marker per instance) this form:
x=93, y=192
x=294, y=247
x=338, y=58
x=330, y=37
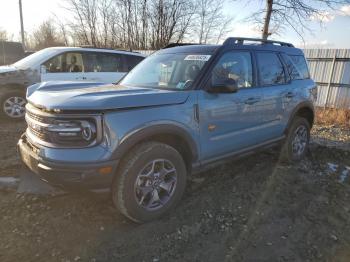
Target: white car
x=60, y=64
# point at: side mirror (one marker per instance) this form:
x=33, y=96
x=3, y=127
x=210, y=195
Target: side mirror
x=43, y=69
x=223, y=85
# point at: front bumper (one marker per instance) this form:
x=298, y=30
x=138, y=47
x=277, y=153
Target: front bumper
x=69, y=176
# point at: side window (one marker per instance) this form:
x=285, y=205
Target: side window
x=236, y=66
x=131, y=61
x=65, y=63
x=270, y=69
x=296, y=67
x=102, y=62
x=55, y=64
x=300, y=64
x=90, y=62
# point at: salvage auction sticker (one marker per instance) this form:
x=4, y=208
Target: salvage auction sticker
x=198, y=57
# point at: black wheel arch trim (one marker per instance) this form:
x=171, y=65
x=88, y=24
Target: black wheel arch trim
x=306, y=104
x=139, y=135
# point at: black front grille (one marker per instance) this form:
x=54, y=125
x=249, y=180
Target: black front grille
x=43, y=136
x=35, y=116
x=37, y=124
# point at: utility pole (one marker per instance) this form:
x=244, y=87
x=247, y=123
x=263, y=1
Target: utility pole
x=22, y=27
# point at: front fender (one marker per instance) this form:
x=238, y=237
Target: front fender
x=152, y=129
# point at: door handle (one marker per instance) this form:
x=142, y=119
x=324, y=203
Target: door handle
x=252, y=100
x=289, y=95
x=81, y=78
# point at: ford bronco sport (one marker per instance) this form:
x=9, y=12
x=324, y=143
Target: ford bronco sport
x=180, y=110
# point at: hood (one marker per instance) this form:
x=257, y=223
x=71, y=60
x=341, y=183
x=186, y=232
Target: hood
x=7, y=69
x=22, y=77
x=98, y=96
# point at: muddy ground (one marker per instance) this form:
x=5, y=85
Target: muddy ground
x=253, y=209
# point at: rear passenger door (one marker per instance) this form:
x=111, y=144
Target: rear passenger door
x=277, y=94
x=103, y=67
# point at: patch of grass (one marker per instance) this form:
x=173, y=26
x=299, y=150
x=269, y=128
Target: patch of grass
x=332, y=116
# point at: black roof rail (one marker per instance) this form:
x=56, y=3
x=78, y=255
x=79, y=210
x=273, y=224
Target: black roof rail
x=178, y=44
x=240, y=41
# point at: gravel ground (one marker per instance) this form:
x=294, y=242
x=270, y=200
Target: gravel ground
x=254, y=209
x=332, y=136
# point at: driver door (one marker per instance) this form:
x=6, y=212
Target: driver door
x=230, y=121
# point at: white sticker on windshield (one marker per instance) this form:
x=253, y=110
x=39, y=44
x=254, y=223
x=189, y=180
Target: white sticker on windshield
x=198, y=57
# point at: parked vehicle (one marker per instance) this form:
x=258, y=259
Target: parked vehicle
x=10, y=52
x=177, y=112
x=60, y=64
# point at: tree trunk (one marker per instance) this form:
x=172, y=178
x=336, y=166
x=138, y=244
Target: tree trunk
x=265, y=33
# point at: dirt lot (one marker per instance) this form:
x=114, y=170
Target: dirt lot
x=253, y=209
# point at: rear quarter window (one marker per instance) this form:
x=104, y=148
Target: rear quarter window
x=296, y=66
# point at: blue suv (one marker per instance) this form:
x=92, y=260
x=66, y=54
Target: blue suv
x=177, y=112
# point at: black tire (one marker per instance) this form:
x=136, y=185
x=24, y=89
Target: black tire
x=288, y=154
x=123, y=187
x=5, y=96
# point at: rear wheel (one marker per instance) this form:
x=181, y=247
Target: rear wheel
x=151, y=181
x=12, y=105
x=297, y=141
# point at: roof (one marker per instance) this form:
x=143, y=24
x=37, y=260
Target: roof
x=236, y=43
x=100, y=50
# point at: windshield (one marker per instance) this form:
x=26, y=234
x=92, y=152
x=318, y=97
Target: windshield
x=168, y=71
x=35, y=59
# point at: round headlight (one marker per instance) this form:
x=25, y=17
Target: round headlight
x=88, y=131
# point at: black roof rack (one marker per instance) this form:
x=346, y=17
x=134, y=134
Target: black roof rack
x=240, y=41
x=178, y=44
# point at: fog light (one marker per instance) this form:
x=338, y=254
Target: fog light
x=105, y=170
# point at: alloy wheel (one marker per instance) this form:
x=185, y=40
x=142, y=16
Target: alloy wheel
x=300, y=140
x=155, y=184
x=14, y=107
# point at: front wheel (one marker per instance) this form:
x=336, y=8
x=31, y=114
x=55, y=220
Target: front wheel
x=297, y=141
x=12, y=105
x=151, y=180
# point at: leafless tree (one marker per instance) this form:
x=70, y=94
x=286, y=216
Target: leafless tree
x=213, y=24
x=140, y=24
x=84, y=22
x=45, y=36
x=5, y=36
x=63, y=30
x=170, y=21
x=278, y=14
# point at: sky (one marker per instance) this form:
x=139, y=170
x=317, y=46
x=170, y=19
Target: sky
x=334, y=32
